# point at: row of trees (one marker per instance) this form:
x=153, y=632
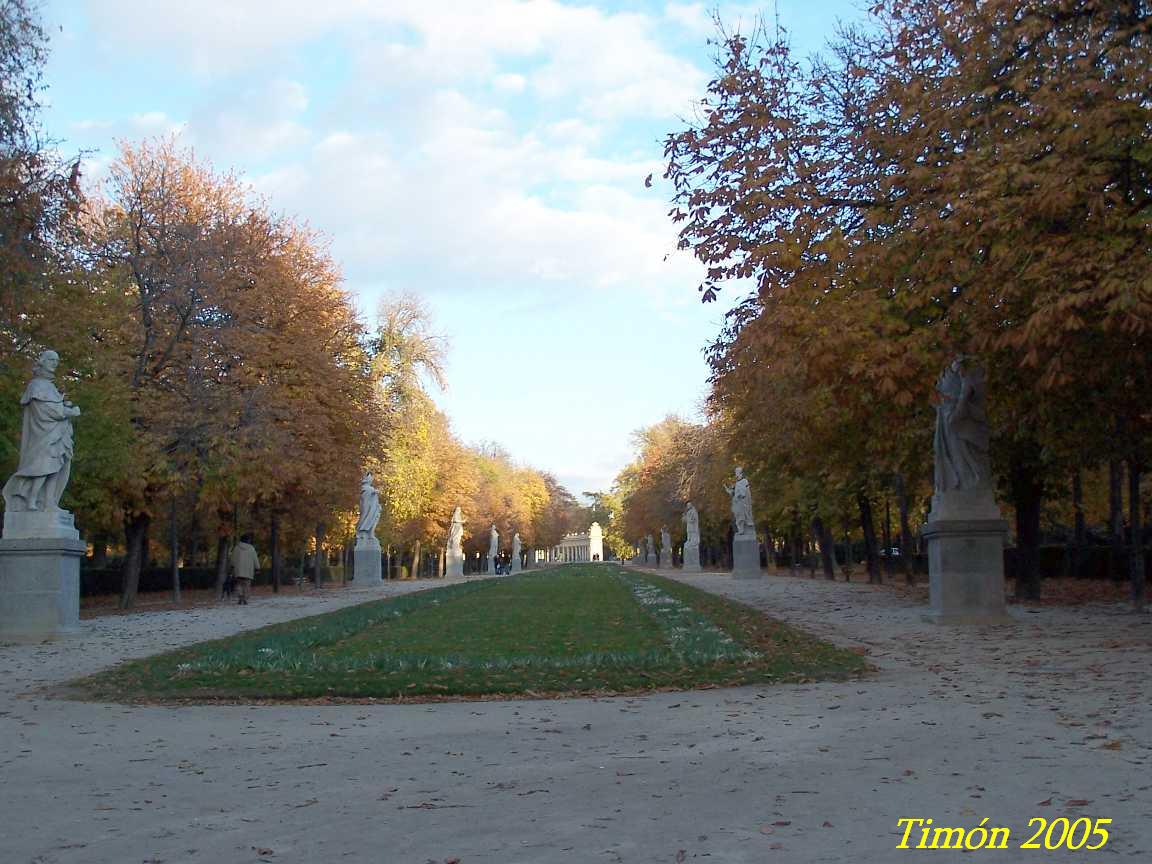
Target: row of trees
x=953, y=176
x=226, y=380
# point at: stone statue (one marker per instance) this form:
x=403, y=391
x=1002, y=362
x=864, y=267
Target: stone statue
x=454, y=548
x=516, y=565
x=493, y=543
x=456, y=534
x=369, y=508
x=665, y=539
x=743, y=522
x=691, y=525
x=961, y=443
x=690, y=559
x=964, y=534
x=649, y=547
x=45, y=443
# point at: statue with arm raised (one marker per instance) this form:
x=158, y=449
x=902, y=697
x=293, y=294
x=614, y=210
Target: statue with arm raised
x=743, y=522
x=45, y=442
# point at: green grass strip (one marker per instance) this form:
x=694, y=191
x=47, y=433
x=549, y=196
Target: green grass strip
x=574, y=629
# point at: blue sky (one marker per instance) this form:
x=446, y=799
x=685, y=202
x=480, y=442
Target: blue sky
x=486, y=155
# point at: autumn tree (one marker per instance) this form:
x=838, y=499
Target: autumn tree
x=951, y=177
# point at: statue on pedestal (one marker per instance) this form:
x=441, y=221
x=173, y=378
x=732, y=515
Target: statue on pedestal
x=965, y=534
x=40, y=549
x=45, y=443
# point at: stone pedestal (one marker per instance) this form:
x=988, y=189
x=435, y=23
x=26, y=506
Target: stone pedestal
x=746, y=558
x=514, y=566
x=453, y=565
x=368, y=569
x=966, y=559
x=39, y=524
x=664, y=562
x=39, y=587
x=691, y=562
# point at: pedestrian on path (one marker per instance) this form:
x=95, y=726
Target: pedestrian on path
x=245, y=564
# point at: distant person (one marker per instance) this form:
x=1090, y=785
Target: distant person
x=245, y=563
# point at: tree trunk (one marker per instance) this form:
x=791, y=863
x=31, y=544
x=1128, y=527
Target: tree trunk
x=887, y=557
x=1116, y=518
x=221, y=564
x=823, y=536
x=320, y=562
x=905, y=531
x=440, y=563
x=848, y=562
x=1079, y=527
x=174, y=551
x=100, y=552
x=1027, y=494
x=416, y=560
x=135, y=541
x=864, y=503
x=274, y=550
x=1136, y=549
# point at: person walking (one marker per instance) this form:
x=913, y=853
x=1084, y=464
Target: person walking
x=245, y=563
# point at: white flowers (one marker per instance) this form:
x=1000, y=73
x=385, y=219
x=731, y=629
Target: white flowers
x=687, y=631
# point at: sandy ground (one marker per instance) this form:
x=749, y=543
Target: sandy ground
x=1046, y=718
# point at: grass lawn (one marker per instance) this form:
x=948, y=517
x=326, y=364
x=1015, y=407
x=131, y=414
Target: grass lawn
x=575, y=629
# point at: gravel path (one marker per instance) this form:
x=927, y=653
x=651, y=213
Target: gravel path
x=958, y=724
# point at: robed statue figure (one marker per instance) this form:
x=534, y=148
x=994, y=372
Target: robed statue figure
x=369, y=508
x=45, y=442
x=691, y=525
x=456, y=534
x=961, y=443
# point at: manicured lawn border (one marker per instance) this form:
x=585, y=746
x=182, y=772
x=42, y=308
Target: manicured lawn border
x=709, y=641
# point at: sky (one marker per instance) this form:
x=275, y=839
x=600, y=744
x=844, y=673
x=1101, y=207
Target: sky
x=488, y=156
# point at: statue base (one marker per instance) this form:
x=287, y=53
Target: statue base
x=39, y=587
x=966, y=570
x=746, y=558
x=54, y=524
x=964, y=504
x=453, y=565
x=691, y=562
x=665, y=561
x=367, y=567
x=514, y=567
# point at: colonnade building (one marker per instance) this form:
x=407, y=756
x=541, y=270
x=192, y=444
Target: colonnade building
x=575, y=548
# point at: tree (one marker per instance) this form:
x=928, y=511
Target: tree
x=956, y=177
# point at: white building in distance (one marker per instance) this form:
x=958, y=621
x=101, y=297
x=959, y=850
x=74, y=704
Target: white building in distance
x=575, y=548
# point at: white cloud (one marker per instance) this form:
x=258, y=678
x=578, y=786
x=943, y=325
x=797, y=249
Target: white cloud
x=510, y=82
x=693, y=17
x=155, y=123
x=407, y=161
x=612, y=62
